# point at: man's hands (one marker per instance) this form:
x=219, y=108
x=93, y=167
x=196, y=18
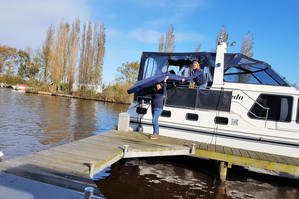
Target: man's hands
x=166, y=78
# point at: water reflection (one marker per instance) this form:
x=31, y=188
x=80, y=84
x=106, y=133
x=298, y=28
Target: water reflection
x=31, y=123
x=183, y=177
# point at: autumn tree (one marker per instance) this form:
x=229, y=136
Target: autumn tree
x=128, y=72
x=57, y=58
x=100, y=53
x=36, y=63
x=91, y=55
x=46, y=51
x=72, y=49
x=167, y=44
x=24, y=62
x=222, y=36
x=8, y=56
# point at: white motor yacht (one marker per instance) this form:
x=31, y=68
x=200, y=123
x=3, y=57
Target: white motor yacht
x=245, y=103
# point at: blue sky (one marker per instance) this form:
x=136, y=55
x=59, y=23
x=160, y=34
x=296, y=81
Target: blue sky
x=134, y=26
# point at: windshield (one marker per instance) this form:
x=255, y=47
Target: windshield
x=156, y=65
x=253, y=74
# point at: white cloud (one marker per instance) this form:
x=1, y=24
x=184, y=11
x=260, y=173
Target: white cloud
x=152, y=36
x=146, y=35
x=25, y=23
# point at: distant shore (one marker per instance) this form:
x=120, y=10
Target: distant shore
x=97, y=97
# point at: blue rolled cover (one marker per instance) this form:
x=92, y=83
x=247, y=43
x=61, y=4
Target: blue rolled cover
x=151, y=81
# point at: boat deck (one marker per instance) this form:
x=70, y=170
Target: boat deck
x=73, y=165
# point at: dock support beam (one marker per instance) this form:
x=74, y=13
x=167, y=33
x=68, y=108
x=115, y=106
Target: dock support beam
x=123, y=121
x=222, y=171
x=91, y=165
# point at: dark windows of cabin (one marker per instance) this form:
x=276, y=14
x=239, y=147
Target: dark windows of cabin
x=221, y=120
x=253, y=74
x=191, y=116
x=297, y=119
x=154, y=66
x=279, y=108
x=166, y=113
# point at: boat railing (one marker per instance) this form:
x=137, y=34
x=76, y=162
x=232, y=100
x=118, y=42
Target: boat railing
x=256, y=102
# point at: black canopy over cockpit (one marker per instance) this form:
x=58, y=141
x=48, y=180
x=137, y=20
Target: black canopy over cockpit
x=238, y=68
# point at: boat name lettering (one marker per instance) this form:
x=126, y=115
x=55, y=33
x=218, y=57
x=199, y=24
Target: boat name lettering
x=237, y=97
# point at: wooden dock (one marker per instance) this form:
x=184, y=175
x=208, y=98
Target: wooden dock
x=73, y=165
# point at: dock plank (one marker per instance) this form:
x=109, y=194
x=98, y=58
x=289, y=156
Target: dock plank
x=69, y=165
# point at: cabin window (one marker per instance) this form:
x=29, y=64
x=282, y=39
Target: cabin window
x=279, y=108
x=155, y=66
x=221, y=120
x=166, y=113
x=191, y=116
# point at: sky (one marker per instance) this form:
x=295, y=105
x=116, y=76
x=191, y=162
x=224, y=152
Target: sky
x=134, y=26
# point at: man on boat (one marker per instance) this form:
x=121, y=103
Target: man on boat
x=197, y=75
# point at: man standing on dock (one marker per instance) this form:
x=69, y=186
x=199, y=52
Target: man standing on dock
x=157, y=105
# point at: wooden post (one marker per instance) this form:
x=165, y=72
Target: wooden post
x=192, y=148
x=222, y=171
x=88, y=192
x=1, y=156
x=123, y=121
x=125, y=150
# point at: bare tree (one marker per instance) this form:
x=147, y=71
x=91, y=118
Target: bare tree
x=169, y=40
x=72, y=52
x=92, y=54
x=222, y=36
x=99, y=60
x=47, y=47
x=167, y=44
x=82, y=57
x=247, y=45
x=197, y=49
x=246, y=49
x=161, y=43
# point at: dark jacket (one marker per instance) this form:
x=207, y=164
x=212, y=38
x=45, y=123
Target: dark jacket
x=198, y=77
x=158, y=97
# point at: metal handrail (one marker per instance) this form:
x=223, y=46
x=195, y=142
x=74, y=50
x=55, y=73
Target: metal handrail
x=255, y=101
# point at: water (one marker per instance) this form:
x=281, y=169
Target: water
x=30, y=123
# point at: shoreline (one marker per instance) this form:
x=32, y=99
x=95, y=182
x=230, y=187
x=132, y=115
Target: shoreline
x=72, y=96
x=67, y=95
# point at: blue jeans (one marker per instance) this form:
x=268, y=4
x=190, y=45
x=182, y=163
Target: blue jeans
x=156, y=112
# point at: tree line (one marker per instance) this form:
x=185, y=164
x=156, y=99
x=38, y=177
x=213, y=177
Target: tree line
x=73, y=54
x=69, y=54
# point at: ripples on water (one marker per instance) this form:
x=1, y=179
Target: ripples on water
x=30, y=123
x=192, y=178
